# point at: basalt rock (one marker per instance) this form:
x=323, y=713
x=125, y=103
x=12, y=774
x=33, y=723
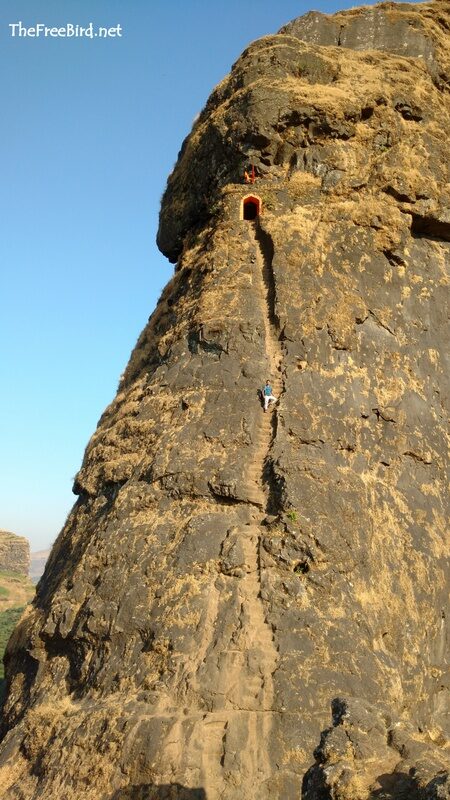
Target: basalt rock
x=361, y=741
x=226, y=574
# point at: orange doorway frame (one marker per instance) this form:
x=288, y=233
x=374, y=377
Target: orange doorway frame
x=254, y=200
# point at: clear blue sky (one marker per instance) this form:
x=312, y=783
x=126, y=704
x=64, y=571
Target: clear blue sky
x=90, y=131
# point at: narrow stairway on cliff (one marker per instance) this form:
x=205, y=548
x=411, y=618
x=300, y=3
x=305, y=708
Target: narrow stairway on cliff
x=260, y=477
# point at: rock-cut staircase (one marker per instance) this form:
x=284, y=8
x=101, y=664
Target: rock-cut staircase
x=257, y=486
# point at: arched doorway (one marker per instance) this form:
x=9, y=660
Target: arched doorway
x=250, y=207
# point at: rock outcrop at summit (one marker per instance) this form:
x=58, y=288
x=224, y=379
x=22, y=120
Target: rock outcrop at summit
x=226, y=576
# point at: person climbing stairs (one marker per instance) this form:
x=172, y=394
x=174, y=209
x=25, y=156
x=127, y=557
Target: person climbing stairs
x=268, y=396
x=257, y=489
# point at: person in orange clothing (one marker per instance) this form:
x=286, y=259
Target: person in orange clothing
x=250, y=176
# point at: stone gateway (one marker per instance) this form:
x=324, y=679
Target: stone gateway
x=250, y=207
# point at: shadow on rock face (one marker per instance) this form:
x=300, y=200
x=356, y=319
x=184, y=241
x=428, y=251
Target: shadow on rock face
x=400, y=786
x=439, y=787
x=395, y=786
x=392, y=786
x=148, y=791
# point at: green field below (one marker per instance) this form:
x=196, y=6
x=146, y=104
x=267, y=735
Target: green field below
x=8, y=621
x=16, y=591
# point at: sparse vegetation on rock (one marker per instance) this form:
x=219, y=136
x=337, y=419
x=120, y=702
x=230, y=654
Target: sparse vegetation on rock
x=16, y=589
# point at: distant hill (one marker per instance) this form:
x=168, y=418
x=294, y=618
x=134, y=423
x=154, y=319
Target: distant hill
x=15, y=592
x=14, y=553
x=37, y=564
x=16, y=588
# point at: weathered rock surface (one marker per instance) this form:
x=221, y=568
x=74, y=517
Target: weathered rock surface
x=225, y=575
x=14, y=553
x=363, y=740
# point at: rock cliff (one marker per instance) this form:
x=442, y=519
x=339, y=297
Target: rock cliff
x=227, y=577
x=14, y=553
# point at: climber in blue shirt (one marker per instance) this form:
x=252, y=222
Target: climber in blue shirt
x=268, y=396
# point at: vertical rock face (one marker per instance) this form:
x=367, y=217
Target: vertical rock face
x=226, y=575
x=14, y=553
